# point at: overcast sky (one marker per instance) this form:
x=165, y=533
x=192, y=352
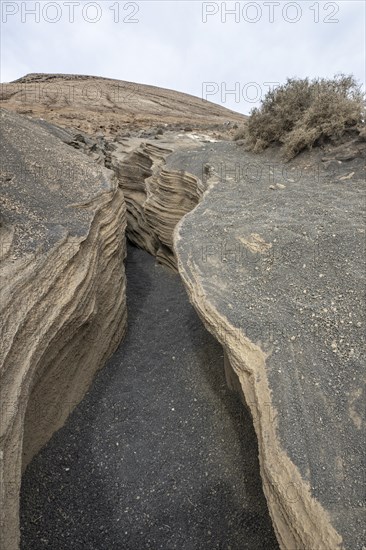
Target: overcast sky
x=191, y=46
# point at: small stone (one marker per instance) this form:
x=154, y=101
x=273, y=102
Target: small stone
x=349, y=176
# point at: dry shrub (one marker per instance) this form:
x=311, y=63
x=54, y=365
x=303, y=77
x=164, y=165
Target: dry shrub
x=240, y=133
x=302, y=113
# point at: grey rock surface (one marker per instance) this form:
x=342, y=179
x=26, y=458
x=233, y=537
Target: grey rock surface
x=274, y=260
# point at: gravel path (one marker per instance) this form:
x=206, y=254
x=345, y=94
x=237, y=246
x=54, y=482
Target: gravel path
x=159, y=454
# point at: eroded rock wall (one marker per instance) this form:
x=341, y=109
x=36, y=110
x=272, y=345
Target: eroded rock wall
x=299, y=520
x=62, y=298
x=157, y=197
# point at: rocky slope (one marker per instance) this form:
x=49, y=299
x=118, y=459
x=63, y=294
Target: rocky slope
x=127, y=114
x=62, y=296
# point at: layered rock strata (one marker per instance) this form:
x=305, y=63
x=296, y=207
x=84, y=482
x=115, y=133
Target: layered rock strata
x=113, y=121
x=156, y=197
x=62, y=301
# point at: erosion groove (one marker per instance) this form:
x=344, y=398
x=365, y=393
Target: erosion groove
x=62, y=273
x=172, y=193
x=274, y=266
x=156, y=197
x=132, y=169
x=166, y=196
x=160, y=453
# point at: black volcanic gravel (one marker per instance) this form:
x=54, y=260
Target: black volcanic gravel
x=159, y=454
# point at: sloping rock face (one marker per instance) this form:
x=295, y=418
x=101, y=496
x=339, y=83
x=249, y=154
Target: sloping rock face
x=95, y=104
x=62, y=297
x=273, y=259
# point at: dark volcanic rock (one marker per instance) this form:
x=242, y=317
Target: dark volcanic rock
x=276, y=268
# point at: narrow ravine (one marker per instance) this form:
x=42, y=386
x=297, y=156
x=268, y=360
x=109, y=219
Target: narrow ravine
x=160, y=454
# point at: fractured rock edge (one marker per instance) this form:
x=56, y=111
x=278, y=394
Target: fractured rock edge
x=299, y=520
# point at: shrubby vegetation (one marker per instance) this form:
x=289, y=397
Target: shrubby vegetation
x=303, y=113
